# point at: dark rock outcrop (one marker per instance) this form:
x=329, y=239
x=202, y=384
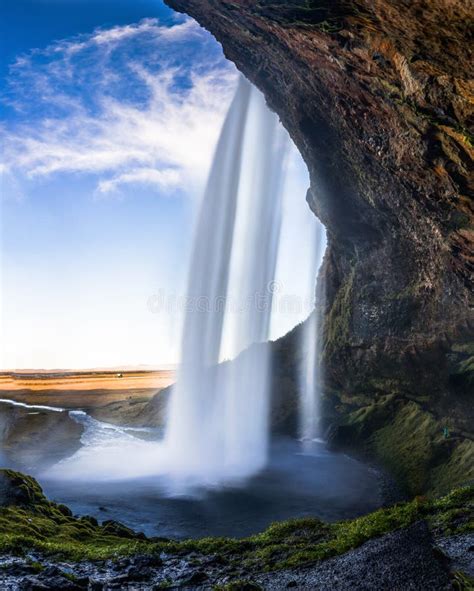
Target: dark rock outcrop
x=404, y=559
x=377, y=96
x=19, y=490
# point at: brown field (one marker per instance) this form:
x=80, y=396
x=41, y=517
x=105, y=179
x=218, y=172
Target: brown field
x=82, y=389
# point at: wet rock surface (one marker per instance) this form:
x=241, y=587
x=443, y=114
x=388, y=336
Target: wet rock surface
x=460, y=550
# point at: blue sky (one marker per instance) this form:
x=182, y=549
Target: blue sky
x=110, y=114
x=29, y=24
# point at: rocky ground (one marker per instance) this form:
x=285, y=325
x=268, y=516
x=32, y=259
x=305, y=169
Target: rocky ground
x=417, y=545
x=407, y=559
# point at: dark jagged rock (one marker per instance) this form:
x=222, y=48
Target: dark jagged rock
x=377, y=96
x=399, y=560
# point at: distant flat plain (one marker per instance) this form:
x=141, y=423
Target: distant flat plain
x=73, y=389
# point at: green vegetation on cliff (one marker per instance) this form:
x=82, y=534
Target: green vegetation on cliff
x=30, y=522
x=411, y=443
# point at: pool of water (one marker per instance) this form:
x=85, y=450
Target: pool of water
x=110, y=473
x=315, y=482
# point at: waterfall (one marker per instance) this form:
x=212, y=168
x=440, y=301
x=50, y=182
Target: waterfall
x=217, y=428
x=310, y=370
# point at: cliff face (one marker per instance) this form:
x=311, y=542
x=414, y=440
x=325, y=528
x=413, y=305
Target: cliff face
x=376, y=95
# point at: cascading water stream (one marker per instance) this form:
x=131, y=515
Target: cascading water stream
x=189, y=437
x=311, y=367
x=218, y=421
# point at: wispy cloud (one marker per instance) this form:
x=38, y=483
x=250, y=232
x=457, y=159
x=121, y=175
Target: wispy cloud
x=137, y=104
x=142, y=176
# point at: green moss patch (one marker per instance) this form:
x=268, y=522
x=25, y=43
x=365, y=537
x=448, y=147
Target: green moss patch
x=19, y=489
x=29, y=521
x=52, y=533
x=462, y=582
x=50, y=529
x=458, y=468
x=411, y=444
x=239, y=586
x=406, y=446
x=338, y=321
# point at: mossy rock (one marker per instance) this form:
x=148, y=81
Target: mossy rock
x=462, y=581
x=239, y=586
x=118, y=529
x=29, y=521
x=461, y=361
x=410, y=443
x=19, y=490
x=338, y=321
x=406, y=446
x=458, y=468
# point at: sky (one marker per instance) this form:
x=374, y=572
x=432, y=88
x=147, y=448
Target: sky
x=110, y=113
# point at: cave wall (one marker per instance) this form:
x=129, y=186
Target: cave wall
x=377, y=96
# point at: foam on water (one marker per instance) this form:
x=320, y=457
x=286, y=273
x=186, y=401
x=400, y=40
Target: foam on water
x=109, y=452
